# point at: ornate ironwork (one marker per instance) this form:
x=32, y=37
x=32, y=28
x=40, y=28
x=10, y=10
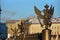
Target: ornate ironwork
x=47, y=15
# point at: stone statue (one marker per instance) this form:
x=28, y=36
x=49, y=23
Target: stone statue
x=46, y=16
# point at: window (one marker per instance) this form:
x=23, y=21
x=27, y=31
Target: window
x=55, y=27
x=55, y=33
x=52, y=32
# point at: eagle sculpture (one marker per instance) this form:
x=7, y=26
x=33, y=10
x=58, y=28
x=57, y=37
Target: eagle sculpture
x=47, y=14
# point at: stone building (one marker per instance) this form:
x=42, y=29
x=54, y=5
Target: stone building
x=35, y=27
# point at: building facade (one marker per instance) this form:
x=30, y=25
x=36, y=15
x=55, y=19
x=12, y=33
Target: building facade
x=35, y=27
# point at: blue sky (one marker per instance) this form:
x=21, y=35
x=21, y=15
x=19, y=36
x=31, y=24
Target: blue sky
x=17, y=9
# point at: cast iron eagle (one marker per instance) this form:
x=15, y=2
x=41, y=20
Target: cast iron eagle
x=48, y=13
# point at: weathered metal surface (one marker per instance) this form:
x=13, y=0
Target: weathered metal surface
x=46, y=34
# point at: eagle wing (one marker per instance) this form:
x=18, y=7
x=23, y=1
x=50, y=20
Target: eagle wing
x=38, y=12
x=51, y=10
